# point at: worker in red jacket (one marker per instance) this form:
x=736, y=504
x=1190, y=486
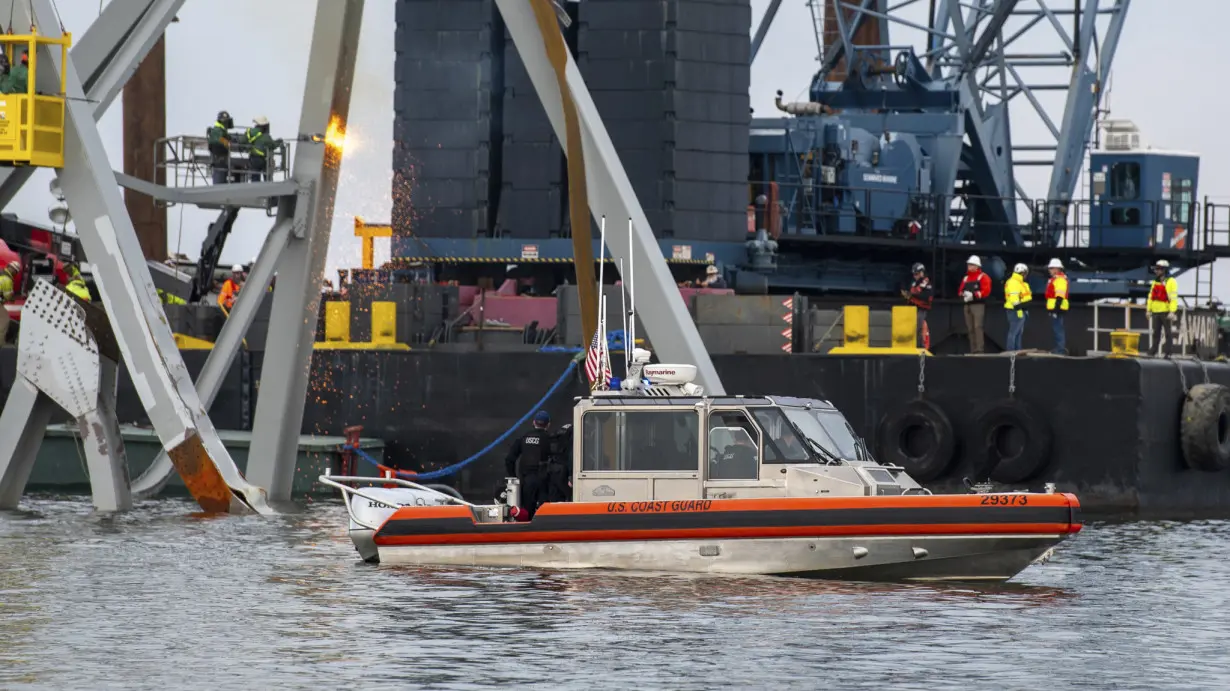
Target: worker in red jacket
x=975, y=290
x=919, y=295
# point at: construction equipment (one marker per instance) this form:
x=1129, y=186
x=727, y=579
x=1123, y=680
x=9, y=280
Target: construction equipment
x=32, y=120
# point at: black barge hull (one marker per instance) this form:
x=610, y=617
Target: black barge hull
x=1109, y=429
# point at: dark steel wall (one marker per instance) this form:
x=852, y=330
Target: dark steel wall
x=1114, y=421
x=442, y=116
x=474, y=153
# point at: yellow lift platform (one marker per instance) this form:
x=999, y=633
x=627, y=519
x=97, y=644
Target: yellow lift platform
x=32, y=123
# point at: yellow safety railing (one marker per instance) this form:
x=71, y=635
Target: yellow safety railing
x=32, y=123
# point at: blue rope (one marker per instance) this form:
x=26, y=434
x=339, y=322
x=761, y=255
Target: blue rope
x=449, y=470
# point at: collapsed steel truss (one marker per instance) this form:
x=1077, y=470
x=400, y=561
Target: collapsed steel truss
x=295, y=249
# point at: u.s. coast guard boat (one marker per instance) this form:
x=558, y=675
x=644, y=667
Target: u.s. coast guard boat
x=668, y=479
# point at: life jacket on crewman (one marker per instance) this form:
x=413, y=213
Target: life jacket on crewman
x=1163, y=295
x=1016, y=292
x=1057, y=293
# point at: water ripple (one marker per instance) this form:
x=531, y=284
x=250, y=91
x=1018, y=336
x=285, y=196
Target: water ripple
x=166, y=598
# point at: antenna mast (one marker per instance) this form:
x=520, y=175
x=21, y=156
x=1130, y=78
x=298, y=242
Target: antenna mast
x=630, y=334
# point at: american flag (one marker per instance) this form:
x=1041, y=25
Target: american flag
x=597, y=367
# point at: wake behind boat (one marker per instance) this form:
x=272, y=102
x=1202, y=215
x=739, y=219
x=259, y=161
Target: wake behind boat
x=668, y=479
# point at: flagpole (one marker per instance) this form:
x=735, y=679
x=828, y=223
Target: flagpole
x=601, y=258
x=631, y=339
x=623, y=297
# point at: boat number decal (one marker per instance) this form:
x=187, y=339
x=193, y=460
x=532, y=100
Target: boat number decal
x=1004, y=500
x=653, y=506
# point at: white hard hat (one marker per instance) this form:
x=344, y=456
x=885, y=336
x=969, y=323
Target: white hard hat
x=260, y=120
x=236, y=269
x=711, y=269
x=1055, y=264
x=1020, y=268
x=1162, y=263
x=973, y=259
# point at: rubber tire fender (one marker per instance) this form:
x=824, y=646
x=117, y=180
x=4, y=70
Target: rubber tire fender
x=1034, y=454
x=1204, y=428
x=898, y=426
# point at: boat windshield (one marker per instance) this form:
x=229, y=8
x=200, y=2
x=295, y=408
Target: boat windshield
x=830, y=429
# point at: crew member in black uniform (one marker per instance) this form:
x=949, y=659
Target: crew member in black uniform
x=527, y=461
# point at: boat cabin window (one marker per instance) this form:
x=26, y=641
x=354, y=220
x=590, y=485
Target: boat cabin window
x=829, y=429
x=734, y=446
x=640, y=440
x=782, y=444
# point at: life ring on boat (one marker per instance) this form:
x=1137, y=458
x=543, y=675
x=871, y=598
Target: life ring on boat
x=1204, y=428
x=919, y=437
x=1016, y=440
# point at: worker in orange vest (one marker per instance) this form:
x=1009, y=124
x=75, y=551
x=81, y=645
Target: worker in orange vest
x=1057, y=304
x=230, y=288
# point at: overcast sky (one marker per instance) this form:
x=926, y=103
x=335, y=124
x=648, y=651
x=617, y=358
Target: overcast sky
x=250, y=56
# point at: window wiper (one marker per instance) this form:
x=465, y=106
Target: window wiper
x=827, y=456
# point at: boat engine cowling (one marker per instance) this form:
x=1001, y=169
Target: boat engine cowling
x=375, y=513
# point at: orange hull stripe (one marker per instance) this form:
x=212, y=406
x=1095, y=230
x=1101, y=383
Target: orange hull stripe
x=731, y=533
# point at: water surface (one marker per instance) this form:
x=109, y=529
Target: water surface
x=165, y=598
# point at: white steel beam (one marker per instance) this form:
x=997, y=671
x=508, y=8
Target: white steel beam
x=222, y=355
x=24, y=421
x=123, y=279
x=292, y=325
x=665, y=316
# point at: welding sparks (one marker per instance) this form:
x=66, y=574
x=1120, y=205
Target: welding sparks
x=336, y=136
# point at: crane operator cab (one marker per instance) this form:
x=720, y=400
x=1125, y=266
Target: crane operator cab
x=32, y=111
x=662, y=439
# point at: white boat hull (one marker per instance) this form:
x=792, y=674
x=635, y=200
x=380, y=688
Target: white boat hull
x=951, y=557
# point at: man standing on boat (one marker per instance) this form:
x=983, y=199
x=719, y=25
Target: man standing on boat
x=527, y=461
x=1057, y=304
x=975, y=290
x=1163, y=306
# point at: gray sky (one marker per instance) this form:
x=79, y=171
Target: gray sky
x=254, y=63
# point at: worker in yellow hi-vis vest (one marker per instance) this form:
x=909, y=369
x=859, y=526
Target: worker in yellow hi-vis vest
x=76, y=284
x=8, y=291
x=1163, y=306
